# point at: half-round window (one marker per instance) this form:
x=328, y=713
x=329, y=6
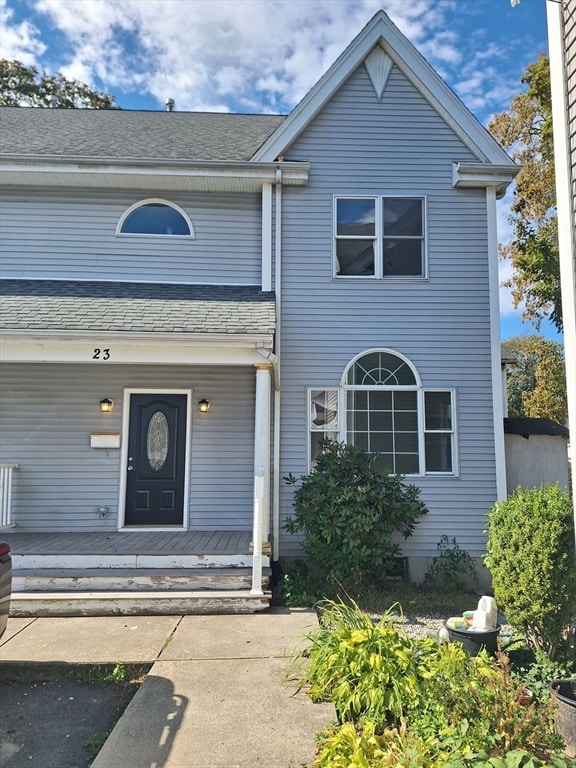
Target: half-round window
x=155, y=217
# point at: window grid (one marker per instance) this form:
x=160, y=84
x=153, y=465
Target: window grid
x=377, y=261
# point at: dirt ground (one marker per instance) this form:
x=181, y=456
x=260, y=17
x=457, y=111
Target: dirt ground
x=57, y=723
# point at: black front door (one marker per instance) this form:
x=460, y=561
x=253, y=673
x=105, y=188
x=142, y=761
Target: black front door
x=156, y=460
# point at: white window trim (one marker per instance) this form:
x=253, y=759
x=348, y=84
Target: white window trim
x=155, y=201
x=310, y=429
x=378, y=239
x=453, y=431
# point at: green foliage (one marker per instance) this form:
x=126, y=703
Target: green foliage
x=536, y=671
x=93, y=746
x=526, y=130
x=302, y=587
x=531, y=560
x=536, y=381
x=366, y=669
x=453, y=569
x=102, y=675
x=349, y=510
x=25, y=86
x=517, y=758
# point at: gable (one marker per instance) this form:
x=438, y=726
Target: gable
x=378, y=47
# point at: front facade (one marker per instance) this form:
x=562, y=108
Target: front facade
x=241, y=286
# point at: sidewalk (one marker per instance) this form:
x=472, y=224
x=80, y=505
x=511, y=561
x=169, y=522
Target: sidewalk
x=215, y=697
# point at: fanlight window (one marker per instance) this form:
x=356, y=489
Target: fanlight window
x=155, y=217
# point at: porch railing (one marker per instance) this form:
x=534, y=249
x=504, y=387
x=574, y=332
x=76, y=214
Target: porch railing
x=6, y=471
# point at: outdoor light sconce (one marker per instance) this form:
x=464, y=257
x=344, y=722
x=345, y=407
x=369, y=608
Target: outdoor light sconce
x=204, y=405
x=106, y=405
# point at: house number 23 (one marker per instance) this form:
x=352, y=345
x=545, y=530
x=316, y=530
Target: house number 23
x=101, y=354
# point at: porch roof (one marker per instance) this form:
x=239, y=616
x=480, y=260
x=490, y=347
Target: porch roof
x=66, y=305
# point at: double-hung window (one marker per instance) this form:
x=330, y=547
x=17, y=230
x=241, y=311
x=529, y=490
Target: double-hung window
x=379, y=237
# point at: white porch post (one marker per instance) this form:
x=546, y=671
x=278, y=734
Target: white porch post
x=262, y=451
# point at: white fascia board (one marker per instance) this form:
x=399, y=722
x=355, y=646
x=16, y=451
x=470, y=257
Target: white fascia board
x=474, y=175
x=133, y=349
x=77, y=172
x=380, y=30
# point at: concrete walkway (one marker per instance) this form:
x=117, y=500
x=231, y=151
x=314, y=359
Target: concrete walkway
x=215, y=697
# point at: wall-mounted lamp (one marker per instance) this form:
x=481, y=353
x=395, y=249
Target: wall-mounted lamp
x=204, y=405
x=106, y=405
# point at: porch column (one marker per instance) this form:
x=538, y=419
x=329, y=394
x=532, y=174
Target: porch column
x=262, y=449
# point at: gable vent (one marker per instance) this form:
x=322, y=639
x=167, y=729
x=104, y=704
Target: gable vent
x=378, y=65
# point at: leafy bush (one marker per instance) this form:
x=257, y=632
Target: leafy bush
x=349, y=510
x=303, y=587
x=531, y=560
x=453, y=567
x=366, y=669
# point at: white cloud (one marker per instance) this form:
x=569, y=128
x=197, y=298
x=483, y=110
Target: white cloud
x=18, y=40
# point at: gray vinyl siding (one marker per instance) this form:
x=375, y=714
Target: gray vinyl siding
x=400, y=146
x=71, y=235
x=49, y=411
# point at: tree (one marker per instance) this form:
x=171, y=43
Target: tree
x=526, y=129
x=25, y=86
x=536, y=382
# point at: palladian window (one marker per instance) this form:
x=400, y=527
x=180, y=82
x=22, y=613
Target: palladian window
x=383, y=408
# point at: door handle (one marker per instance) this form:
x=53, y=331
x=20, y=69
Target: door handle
x=130, y=468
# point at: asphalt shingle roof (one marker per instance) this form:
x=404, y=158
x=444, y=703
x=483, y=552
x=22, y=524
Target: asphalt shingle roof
x=121, y=134
x=527, y=427
x=62, y=305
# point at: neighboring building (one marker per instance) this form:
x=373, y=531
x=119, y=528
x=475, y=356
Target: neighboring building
x=329, y=273
x=535, y=453
x=562, y=44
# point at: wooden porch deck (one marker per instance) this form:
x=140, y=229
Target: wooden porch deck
x=143, y=543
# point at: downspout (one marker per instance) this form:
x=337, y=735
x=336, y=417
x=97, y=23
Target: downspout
x=277, y=387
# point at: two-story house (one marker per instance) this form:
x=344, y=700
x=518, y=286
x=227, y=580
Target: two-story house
x=192, y=301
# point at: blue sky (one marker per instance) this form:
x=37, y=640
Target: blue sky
x=264, y=55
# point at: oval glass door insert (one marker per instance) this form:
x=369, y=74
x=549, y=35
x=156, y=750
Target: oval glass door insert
x=157, y=441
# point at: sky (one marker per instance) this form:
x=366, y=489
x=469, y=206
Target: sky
x=264, y=55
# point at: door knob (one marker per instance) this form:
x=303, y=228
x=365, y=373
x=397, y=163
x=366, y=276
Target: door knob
x=130, y=467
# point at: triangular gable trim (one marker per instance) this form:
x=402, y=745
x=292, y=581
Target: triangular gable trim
x=380, y=30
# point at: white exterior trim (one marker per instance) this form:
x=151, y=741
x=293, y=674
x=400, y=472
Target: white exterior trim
x=267, y=236
x=497, y=392
x=160, y=349
x=176, y=176
x=262, y=447
x=124, y=456
x=381, y=31
x=565, y=171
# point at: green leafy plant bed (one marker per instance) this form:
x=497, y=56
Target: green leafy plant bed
x=419, y=702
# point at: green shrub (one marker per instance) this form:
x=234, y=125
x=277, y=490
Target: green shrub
x=453, y=568
x=531, y=560
x=366, y=668
x=349, y=510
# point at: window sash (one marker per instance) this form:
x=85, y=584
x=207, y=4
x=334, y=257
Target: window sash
x=393, y=246
x=323, y=409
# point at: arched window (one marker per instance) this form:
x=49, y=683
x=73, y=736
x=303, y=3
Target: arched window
x=389, y=413
x=155, y=217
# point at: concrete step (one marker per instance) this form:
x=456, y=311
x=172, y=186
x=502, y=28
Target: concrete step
x=52, y=580
x=136, y=603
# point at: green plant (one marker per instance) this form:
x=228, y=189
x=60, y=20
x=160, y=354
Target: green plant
x=516, y=758
x=93, y=746
x=349, y=510
x=453, y=568
x=532, y=563
x=103, y=675
x=366, y=668
x=303, y=587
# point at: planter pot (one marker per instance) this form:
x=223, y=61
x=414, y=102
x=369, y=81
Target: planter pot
x=474, y=641
x=565, y=715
